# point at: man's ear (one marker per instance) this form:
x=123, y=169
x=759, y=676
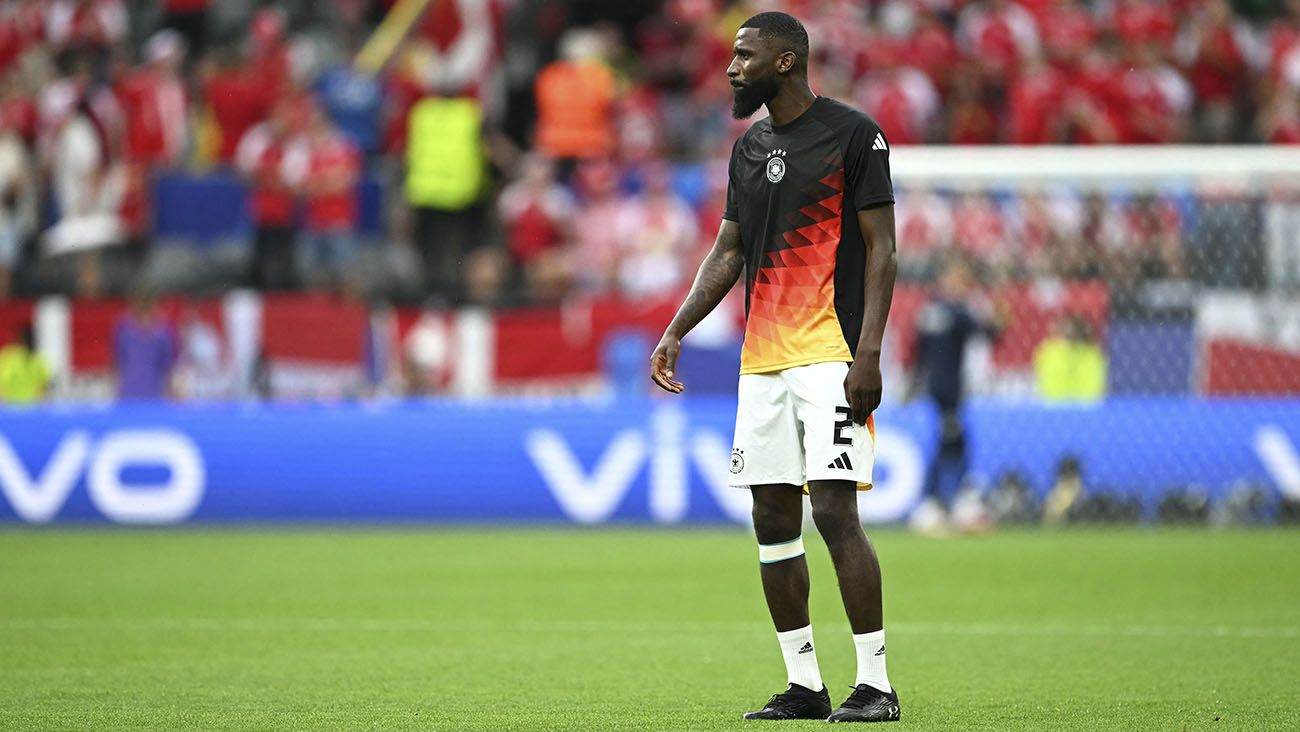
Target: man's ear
x=785, y=62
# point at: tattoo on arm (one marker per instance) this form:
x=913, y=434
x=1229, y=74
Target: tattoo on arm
x=715, y=278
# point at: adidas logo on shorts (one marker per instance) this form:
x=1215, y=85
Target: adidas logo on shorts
x=841, y=463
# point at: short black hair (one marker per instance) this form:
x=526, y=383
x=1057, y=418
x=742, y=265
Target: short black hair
x=785, y=28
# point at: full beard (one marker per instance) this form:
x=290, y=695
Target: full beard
x=748, y=98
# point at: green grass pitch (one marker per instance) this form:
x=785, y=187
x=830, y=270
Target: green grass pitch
x=620, y=629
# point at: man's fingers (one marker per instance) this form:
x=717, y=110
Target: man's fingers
x=670, y=361
x=668, y=384
x=855, y=405
x=662, y=364
x=873, y=401
x=862, y=404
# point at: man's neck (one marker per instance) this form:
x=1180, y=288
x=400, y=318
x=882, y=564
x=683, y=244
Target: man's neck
x=792, y=101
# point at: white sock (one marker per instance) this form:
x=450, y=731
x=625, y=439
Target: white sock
x=871, y=660
x=800, y=658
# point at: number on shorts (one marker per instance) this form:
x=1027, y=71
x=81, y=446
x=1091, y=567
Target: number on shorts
x=843, y=424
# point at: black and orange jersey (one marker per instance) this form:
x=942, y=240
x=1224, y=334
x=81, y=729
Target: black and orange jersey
x=795, y=190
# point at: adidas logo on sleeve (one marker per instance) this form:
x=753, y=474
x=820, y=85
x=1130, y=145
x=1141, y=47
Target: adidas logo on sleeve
x=879, y=144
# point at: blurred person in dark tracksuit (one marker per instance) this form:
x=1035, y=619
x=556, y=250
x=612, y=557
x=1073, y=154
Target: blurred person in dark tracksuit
x=945, y=327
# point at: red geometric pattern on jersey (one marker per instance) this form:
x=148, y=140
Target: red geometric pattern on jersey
x=792, y=319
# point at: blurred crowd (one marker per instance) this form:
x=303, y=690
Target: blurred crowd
x=528, y=151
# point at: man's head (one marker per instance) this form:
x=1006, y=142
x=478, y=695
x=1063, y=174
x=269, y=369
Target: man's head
x=769, y=48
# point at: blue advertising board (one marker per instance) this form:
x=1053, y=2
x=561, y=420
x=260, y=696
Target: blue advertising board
x=661, y=460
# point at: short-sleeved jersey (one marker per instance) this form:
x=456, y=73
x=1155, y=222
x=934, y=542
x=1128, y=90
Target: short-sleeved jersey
x=795, y=191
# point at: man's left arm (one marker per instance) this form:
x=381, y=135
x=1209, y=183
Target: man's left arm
x=863, y=385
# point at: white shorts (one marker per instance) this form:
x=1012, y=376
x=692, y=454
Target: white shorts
x=793, y=427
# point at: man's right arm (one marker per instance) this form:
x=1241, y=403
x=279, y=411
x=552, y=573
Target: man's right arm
x=717, y=274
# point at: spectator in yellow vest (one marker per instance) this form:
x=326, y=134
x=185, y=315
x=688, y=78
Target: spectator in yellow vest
x=1069, y=365
x=450, y=150
x=24, y=373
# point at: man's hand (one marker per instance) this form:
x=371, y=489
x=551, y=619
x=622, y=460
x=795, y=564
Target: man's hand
x=862, y=387
x=663, y=362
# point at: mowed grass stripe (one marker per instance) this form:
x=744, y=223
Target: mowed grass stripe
x=355, y=625
x=632, y=629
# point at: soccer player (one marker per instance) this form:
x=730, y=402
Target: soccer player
x=810, y=221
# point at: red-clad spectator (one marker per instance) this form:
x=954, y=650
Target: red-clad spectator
x=1156, y=99
x=269, y=64
x=1068, y=30
x=997, y=35
x=85, y=23
x=971, y=120
x=978, y=228
x=1290, y=75
x=463, y=37
x=1101, y=228
x=1151, y=236
x=537, y=212
x=260, y=158
x=1144, y=21
x=1034, y=104
x=707, y=52
x=1283, y=39
x=840, y=27
x=593, y=261
x=932, y=49
x=1279, y=117
x=665, y=61
x=902, y=99
x=17, y=107
x=22, y=27
x=236, y=99
x=154, y=105
x=154, y=123
x=640, y=125
x=325, y=166
x=1038, y=222
x=1094, y=110
x=1216, y=49
x=924, y=226
x=879, y=50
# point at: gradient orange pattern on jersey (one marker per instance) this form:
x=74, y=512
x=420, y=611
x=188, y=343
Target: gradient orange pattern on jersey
x=792, y=319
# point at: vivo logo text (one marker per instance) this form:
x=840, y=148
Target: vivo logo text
x=37, y=493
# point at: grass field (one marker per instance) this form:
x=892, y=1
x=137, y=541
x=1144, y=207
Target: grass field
x=633, y=630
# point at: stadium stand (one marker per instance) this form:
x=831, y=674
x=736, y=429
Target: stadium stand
x=135, y=118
